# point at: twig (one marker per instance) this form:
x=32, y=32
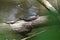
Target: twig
x=33, y=35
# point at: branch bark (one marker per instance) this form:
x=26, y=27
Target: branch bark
x=22, y=25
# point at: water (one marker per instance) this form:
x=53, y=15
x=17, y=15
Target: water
x=13, y=13
x=32, y=10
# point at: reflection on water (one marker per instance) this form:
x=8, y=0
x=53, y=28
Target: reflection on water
x=33, y=10
x=13, y=13
x=8, y=10
x=13, y=10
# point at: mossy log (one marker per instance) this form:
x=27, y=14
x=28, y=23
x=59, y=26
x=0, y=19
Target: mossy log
x=24, y=27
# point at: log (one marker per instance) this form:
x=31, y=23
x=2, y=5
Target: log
x=24, y=27
x=48, y=6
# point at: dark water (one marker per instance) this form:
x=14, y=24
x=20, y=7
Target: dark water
x=11, y=10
